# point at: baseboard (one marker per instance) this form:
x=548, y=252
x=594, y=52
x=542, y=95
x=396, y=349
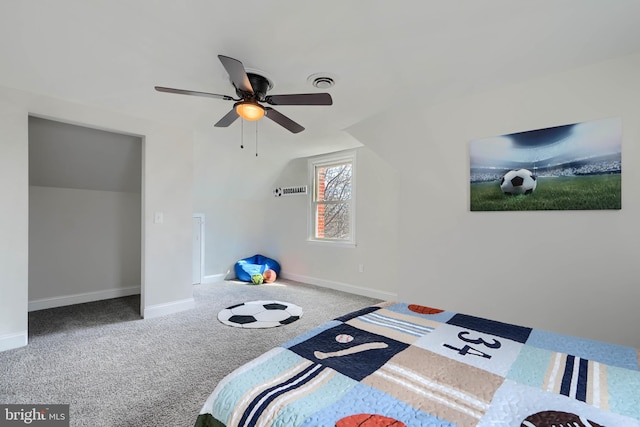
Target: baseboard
x=44, y=303
x=11, y=341
x=213, y=278
x=358, y=290
x=168, y=308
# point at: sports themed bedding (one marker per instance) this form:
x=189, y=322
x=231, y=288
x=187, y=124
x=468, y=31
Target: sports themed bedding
x=396, y=364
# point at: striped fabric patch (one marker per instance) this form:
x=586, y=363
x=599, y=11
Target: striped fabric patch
x=399, y=326
x=578, y=378
x=450, y=390
x=440, y=394
x=261, y=405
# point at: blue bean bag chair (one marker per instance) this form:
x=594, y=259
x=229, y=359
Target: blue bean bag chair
x=257, y=264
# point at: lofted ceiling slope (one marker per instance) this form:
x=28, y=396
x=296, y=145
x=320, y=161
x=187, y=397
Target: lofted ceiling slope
x=69, y=156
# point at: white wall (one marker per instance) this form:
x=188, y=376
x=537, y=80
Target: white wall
x=573, y=272
x=84, y=245
x=229, y=186
x=286, y=232
x=167, y=187
x=233, y=230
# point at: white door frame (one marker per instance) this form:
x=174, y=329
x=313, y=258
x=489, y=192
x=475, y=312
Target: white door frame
x=201, y=217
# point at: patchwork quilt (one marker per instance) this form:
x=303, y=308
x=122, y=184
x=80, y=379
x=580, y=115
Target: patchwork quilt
x=398, y=364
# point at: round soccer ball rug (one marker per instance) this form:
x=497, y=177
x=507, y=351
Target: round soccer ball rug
x=260, y=314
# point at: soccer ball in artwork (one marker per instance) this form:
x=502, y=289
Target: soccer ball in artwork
x=520, y=181
x=260, y=314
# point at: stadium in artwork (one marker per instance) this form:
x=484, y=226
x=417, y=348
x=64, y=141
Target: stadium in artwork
x=570, y=167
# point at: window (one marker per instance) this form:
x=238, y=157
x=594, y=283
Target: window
x=333, y=199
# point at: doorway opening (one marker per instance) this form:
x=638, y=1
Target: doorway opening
x=85, y=214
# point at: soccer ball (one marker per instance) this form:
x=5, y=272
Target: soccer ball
x=260, y=314
x=269, y=276
x=520, y=181
x=277, y=192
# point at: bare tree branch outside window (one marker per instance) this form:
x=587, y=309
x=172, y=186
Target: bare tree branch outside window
x=333, y=196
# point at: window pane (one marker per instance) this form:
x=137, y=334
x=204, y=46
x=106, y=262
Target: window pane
x=333, y=221
x=333, y=182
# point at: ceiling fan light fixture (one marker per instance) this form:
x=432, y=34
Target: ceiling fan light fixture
x=249, y=110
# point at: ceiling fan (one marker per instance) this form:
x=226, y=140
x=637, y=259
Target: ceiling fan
x=251, y=90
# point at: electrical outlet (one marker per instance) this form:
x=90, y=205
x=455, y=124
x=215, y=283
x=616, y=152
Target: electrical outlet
x=361, y=268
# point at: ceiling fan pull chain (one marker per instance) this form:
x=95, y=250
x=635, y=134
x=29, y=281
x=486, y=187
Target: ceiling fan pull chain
x=242, y=134
x=256, y=139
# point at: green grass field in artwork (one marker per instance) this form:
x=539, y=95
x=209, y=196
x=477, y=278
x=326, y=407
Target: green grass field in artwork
x=552, y=193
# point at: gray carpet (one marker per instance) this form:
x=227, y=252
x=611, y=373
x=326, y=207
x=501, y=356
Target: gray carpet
x=118, y=370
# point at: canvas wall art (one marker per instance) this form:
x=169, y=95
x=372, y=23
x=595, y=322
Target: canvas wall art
x=569, y=167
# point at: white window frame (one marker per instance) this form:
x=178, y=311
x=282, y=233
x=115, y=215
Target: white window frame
x=326, y=160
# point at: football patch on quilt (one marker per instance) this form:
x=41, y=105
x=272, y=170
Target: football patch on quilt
x=427, y=312
x=538, y=406
x=423, y=309
x=260, y=314
x=557, y=418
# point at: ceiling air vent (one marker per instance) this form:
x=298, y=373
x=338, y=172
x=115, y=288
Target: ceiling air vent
x=289, y=191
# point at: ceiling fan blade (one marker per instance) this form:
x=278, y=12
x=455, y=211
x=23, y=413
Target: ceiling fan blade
x=228, y=118
x=237, y=73
x=283, y=120
x=300, y=99
x=192, y=92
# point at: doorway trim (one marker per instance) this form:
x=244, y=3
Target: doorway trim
x=201, y=217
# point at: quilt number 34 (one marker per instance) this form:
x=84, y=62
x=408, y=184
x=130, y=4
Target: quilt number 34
x=467, y=349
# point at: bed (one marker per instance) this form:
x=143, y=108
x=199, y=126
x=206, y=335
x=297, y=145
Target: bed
x=397, y=364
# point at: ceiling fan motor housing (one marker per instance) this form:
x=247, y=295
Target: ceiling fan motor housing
x=260, y=85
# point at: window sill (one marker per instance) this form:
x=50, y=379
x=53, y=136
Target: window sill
x=337, y=243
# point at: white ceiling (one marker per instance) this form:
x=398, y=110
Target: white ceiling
x=111, y=53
